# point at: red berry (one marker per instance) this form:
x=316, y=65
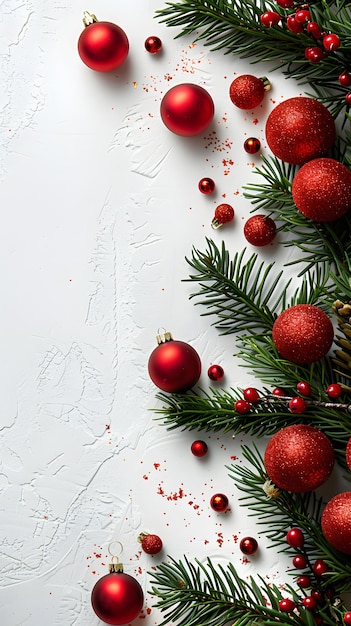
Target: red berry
x=285, y=4
x=270, y=18
x=347, y=618
x=206, y=185
x=318, y=596
x=309, y=603
x=304, y=388
x=348, y=98
x=153, y=44
x=314, y=54
x=299, y=561
x=303, y=582
x=345, y=79
x=151, y=544
x=293, y=25
x=259, y=230
x=302, y=16
x=314, y=30
x=295, y=538
x=278, y=391
x=199, y=448
x=215, y=372
x=334, y=390
x=252, y=145
x=224, y=213
x=286, y=605
x=242, y=406
x=297, y=405
x=331, y=42
x=320, y=567
x=251, y=395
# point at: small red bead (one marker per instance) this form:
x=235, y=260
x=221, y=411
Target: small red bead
x=299, y=561
x=248, y=545
x=345, y=79
x=331, y=42
x=219, y=502
x=153, y=44
x=286, y=605
x=320, y=567
x=206, y=185
x=347, y=618
x=304, y=388
x=303, y=582
x=314, y=54
x=309, y=603
x=302, y=16
x=334, y=390
x=293, y=25
x=270, y=18
x=278, y=391
x=297, y=405
x=215, y=372
x=199, y=448
x=295, y=538
x=242, y=406
x=252, y=145
x=251, y=395
x=314, y=30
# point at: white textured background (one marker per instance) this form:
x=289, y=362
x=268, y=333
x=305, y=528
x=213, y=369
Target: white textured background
x=99, y=207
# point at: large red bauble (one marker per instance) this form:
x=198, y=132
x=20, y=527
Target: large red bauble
x=187, y=109
x=336, y=522
x=117, y=598
x=321, y=190
x=299, y=458
x=303, y=333
x=103, y=46
x=300, y=129
x=174, y=366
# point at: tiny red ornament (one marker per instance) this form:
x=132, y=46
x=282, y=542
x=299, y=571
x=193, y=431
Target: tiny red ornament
x=303, y=333
x=102, y=46
x=153, y=44
x=336, y=522
x=174, y=366
x=215, y=372
x=321, y=190
x=219, y=502
x=117, y=598
x=224, y=213
x=300, y=129
x=187, y=109
x=260, y=230
x=252, y=145
x=248, y=546
x=206, y=185
x=248, y=91
x=299, y=458
x=150, y=543
x=199, y=448
x=295, y=538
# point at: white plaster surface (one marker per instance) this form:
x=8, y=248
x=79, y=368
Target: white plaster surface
x=99, y=207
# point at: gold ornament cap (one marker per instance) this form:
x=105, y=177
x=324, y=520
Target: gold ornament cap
x=163, y=337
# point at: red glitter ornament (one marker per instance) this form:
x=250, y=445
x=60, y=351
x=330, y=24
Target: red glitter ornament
x=260, y=230
x=348, y=454
x=299, y=458
x=248, y=545
x=215, y=372
x=187, y=109
x=223, y=214
x=150, y=543
x=303, y=333
x=247, y=91
x=252, y=145
x=300, y=129
x=174, y=366
x=206, y=185
x=199, y=448
x=321, y=190
x=102, y=46
x=336, y=522
x=219, y=502
x=117, y=598
x=153, y=44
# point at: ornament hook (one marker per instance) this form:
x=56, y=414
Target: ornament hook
x=115, y=548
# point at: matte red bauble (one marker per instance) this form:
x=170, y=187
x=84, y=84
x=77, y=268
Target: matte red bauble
x=303, y=333
x=174, y=366
x=336, y=522
x=102, y=46
x=117, y=598
x=187, y=109
x=321, y=190
x=300, y=129
x=299, y=458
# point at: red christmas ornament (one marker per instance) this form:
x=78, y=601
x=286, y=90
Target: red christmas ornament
x=247, y=91
x=215, y=372
x=206, y=185
x=117, y=598
x=295, y=538
x=300, y=129
x=321, y=190
x=299, y=458
x=252, y=145
x=174, y=366
x=348, y=454
x=224, y=213
x=153, y=44
x=187, y=109
x=259, y=230
x=219, y=502
x=199, y=448
x=150, y=543
x=102, y=46
x=336, y=522
x=248, y=545
x=303, y=333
